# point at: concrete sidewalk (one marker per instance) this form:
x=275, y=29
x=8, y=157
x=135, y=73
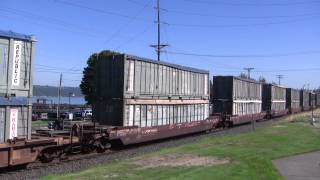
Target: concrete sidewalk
x=300, y=167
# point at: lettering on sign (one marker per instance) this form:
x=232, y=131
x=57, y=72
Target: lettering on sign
x=16, y=63
x=13, y=123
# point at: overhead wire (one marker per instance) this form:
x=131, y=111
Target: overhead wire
x=51, y=20
x=51, y=27
x=279, y=70
x=298, y=53
x=192, y=25
x=57, y=68
x=102, y=11
x=132, y=38
x=242, y=25
x=132, y=19
x=184, y=12
x=239, y=16
x=241, y=3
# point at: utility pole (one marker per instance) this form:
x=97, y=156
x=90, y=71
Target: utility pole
x=249, y=69
x=158, y=46
x=59, y=97
x=279, y=78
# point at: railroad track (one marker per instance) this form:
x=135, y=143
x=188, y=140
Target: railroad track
x=83, y=161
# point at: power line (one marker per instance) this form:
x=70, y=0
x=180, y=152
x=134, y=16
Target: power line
x=252, y=4
x=50, y=20
x=54, y=69
x=209, y=60
x=281, y=70
x=247, y=55
x=137, y=2
x=132, y=39
x=57, y=68
x=57, y=72
x=240, y=25
x=240, y=17
x=129, y=22
x=60, y=28
x=291, y=70
x=228, y=16
x=100, y=10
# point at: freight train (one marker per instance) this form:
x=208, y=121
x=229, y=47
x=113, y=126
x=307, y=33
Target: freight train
x=139, y=100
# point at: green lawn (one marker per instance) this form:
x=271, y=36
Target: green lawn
x=40, y=123
x=250, y=156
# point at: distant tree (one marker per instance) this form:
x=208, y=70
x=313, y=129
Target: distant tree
x=262, y=79
x=87, y=85
x=243, y=75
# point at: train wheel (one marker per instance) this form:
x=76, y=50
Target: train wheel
x=102, y=145
x=88, y=145
x=47, y=156
x=228, y=124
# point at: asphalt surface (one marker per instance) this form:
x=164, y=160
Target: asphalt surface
x=300, y=167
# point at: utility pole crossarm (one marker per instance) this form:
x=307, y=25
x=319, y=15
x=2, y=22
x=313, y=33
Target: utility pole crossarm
x=279, y=78
x=249, y=69
x=158, y=46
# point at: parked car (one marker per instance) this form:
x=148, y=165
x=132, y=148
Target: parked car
x=66, y=115
x=87, y=113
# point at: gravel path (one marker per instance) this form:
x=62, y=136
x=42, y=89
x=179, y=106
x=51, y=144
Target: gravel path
x=128, y=152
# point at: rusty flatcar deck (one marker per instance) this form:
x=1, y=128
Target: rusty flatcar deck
x=138, y=135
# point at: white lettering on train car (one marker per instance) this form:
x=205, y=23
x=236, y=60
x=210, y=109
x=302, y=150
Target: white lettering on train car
x=13, y=123
x=16, y=63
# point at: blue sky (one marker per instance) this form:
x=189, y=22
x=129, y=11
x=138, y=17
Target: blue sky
x=274, y=36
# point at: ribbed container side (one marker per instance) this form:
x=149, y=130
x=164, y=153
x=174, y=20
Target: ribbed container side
x=148, y=115
x=151, y=79
x=278, y=98
x=15, y=118
x=143, y=78
x=119, y=113
x=293, y=98
x=16, y=64
x=274, y=98
x=236, y=96
x=305, y=99
x=312, y=97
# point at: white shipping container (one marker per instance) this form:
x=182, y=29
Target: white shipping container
x=15, y=122
x=160, y=114
x=16, y=64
